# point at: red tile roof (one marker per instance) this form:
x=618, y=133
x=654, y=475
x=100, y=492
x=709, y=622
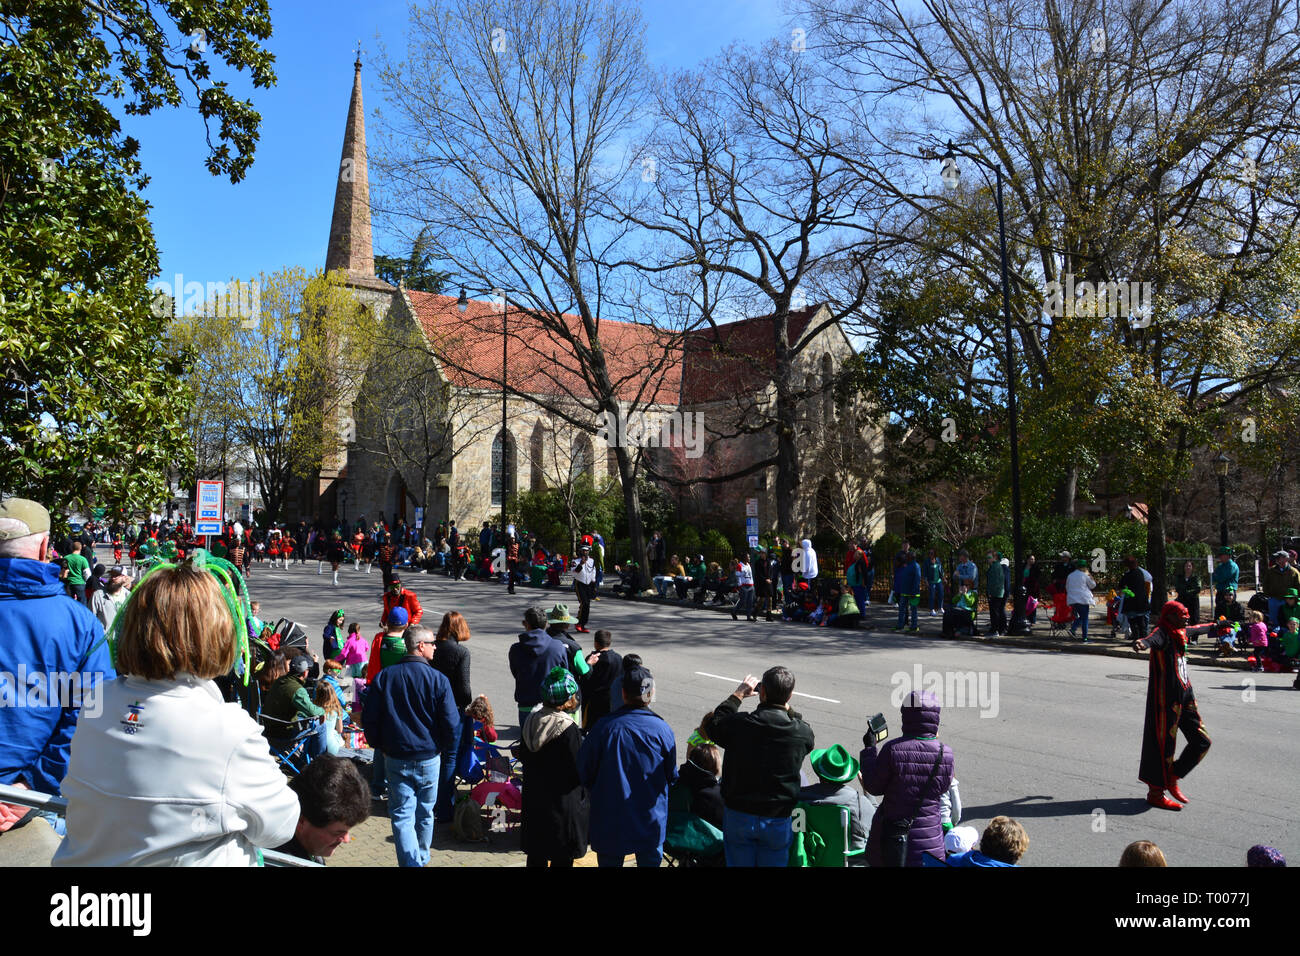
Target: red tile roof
x=543, y=361
x=705, y=365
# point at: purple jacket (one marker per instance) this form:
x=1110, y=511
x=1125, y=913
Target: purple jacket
x=901, y=773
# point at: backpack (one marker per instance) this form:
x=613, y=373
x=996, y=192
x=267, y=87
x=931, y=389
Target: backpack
x=467, y=821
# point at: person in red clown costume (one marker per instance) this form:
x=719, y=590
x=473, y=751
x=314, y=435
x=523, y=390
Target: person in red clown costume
x=1171, y=707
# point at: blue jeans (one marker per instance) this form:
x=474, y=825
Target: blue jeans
x=643, y=858
x=1080, y=617
x=861, y=596
x=447, y=770
x=787, y=582
x=905, y=605
x=413, y=790
x=936, y=596
x=756, y=841
x=745, y=605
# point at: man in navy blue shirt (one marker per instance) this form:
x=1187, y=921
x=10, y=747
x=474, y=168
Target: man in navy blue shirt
x=628, y=762
x=410, y=715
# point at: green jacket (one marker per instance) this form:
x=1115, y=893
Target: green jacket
x=996, y=578
x=288, y=700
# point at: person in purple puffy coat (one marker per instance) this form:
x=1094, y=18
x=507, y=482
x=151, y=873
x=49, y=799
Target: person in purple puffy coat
x=903, y=772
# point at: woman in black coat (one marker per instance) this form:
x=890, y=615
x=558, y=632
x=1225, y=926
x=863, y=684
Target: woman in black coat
x=556, y=809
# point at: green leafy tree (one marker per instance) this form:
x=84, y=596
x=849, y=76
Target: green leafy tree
x=92, y=402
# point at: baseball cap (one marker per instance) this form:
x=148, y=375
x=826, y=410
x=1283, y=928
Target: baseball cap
x=638, y=681
x=398, y=617
x=116, y=569
x=34, y=518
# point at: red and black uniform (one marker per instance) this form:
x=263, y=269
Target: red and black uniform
x=1171, y=706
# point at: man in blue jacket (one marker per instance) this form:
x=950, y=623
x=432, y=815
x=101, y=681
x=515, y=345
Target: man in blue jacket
x=410, y=715
x=531, y=659
x=907, y=589
x=52, y=658
x=628, y=762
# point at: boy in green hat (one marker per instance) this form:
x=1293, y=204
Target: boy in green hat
x=836, y=769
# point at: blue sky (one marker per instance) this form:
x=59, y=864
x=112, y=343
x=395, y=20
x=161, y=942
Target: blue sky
x=279, y=215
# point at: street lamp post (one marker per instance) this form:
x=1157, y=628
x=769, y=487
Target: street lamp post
x=951, y=176
x=1221, y=465
x=344, y=495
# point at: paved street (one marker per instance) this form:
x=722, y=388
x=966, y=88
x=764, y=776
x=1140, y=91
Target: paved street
x=1050, y=738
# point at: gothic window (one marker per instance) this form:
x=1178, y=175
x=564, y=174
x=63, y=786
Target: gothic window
x=503, y=462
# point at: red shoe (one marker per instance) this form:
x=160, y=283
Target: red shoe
x=1158, y=799
x=1175, y=792
x=581, y=630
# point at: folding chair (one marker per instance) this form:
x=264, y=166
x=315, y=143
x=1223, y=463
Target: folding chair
x=1062, y=616
x=821, y=836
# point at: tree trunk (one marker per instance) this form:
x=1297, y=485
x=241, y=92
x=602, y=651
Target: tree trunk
x=1157, y=562
x=631, y=502
x=1065, y=493
x=787, y=459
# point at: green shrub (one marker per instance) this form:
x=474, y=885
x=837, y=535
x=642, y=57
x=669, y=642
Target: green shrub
x=685, y=541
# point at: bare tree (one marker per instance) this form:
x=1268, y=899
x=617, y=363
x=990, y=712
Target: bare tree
x=760, y=207
x=507, y=142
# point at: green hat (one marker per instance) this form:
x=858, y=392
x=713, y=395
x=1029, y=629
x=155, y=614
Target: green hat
x=560, y=615
x=834, y=764
x=32, y=518
x=1290, y=593
x=558, y=686
x=1081, y=563
x=1227, y=551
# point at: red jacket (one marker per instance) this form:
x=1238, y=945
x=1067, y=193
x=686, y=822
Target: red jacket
x=406, y=599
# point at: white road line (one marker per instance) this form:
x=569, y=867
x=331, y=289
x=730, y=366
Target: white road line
x=736, y=680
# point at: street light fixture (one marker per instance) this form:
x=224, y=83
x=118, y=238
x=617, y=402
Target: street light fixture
x=1221, y=465
x=951, y=175
x=463, y=302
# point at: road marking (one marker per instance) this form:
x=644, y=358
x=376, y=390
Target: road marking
x=736, y=681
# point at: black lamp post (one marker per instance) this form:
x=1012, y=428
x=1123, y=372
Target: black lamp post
x=1221, y=465
x=344, y=495
x=951, y=177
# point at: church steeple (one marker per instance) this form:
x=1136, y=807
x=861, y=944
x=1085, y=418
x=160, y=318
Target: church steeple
x=350, y=245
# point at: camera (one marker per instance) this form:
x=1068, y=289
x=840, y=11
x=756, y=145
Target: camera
x=877, y=729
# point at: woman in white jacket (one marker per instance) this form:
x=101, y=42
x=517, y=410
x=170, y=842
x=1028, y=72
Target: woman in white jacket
x=1078, y=594
x=164, y=772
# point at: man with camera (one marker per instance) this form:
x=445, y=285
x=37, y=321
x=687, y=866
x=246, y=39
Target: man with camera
x=760, y=773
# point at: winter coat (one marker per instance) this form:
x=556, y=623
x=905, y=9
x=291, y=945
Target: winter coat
x=531, y=659
x=452, y=659
x=555, y=807
x=764, y=751
x=409, y=712
x=43, y=632
x=168, y=774
x=907, y=578
x=628, y=762
x=900, y=772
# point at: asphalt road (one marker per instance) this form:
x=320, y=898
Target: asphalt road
x=1050, y=738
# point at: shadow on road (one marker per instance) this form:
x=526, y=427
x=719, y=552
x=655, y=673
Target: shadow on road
x=1047, y=807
